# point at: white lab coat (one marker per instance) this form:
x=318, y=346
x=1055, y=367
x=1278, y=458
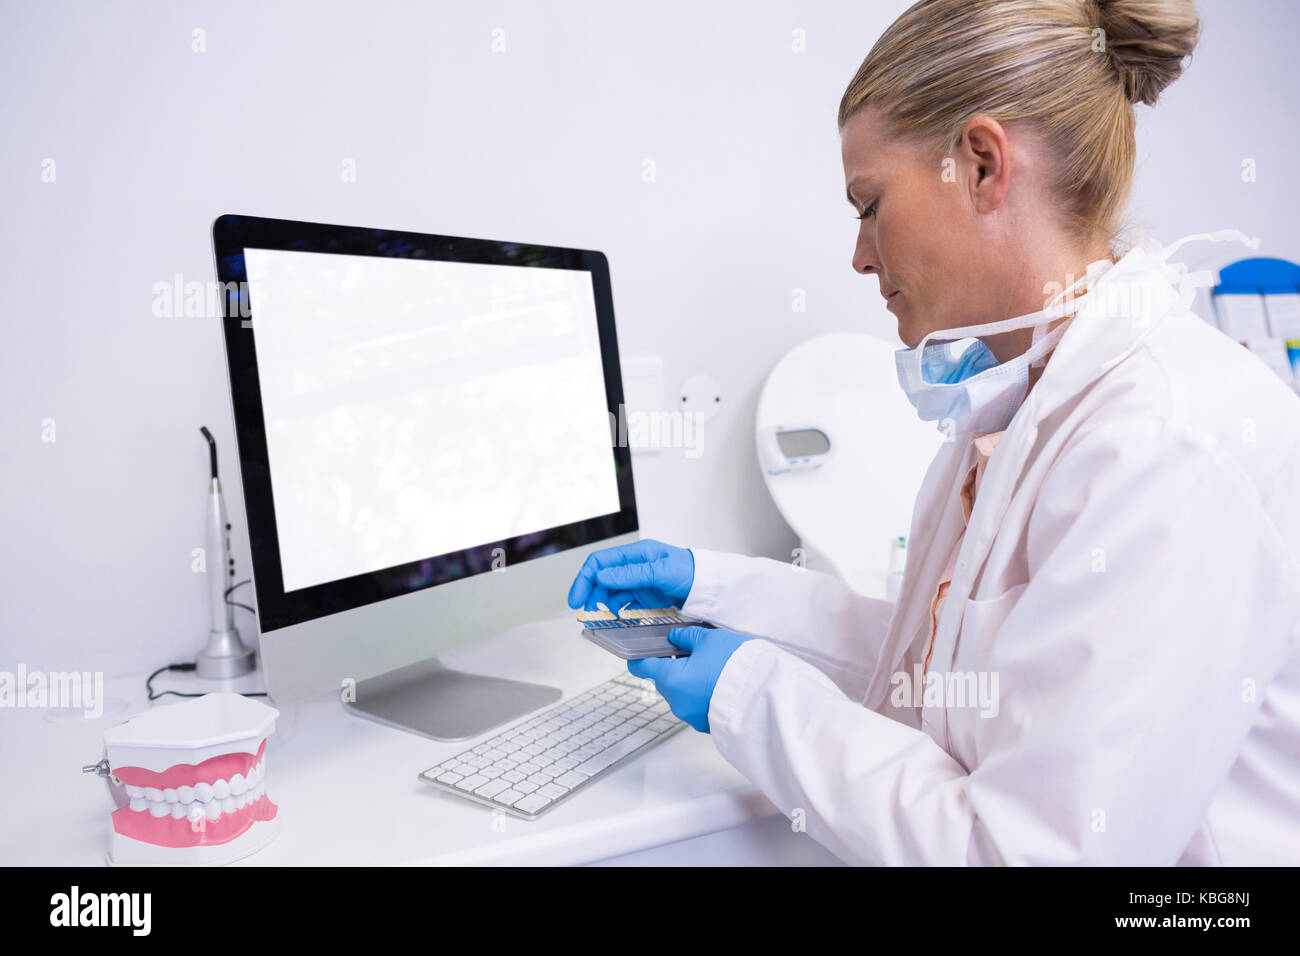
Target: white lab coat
x=1130, y=573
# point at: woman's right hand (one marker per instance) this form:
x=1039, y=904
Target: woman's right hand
x=644, y=574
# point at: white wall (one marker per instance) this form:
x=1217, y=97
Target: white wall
x=544, y=142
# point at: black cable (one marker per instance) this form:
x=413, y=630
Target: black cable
x=236, y=603
x=148, y=684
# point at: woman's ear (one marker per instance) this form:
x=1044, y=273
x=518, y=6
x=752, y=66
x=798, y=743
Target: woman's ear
x=986, y=154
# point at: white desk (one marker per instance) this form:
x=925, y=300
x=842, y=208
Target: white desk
x=348, y=794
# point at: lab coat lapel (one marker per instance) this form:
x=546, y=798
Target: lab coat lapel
x=936, y=524
x=1132, y=302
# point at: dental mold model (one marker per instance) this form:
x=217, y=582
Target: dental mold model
x=190, y=782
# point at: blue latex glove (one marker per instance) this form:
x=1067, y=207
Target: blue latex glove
x=644, y=574
x=687, y=682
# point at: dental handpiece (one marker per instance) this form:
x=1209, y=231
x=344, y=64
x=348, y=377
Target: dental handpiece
x=218, y=546
x=225, y=654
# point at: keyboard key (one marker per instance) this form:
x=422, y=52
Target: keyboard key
x=471, y=783
x=528, y=769
x=569, y=780
x=493, y=788
x=532, y=803
x=525, y=786
x=514, y=776
x=491, y=772
x=508, y=797
x=449, y=777
x=553, y=791
x=567, y=763
x=620, y=750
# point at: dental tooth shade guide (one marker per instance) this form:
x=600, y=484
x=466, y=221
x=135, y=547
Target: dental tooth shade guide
x=635, y=633
x=202, y=749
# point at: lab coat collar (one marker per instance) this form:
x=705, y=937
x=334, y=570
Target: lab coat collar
x=1124, y=302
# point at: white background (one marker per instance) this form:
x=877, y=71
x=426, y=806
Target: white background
x=546, y=142
x=418, y=408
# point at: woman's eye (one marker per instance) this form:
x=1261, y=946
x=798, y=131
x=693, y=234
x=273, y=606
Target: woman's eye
x=868, y=212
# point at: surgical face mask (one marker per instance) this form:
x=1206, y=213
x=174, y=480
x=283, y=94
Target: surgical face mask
x=966, y=390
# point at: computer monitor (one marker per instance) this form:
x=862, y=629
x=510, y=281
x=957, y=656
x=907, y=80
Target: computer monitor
x=428, y=447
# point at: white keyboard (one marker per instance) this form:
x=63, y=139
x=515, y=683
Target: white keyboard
x=542, y=761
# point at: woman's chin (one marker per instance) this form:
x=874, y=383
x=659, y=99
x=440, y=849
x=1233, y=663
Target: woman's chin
x=908, y=335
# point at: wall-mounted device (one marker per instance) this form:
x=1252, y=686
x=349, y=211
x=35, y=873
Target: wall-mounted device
x=225, y=655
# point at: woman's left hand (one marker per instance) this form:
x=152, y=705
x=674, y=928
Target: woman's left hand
x=687, y=682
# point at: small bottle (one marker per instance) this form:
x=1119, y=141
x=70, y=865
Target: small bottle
x=897, y=561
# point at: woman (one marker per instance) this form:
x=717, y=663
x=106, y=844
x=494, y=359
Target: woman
x=1095, y=657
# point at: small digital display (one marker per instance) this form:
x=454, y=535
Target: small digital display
x=803, y=443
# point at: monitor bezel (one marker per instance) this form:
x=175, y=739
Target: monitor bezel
x=276, y=608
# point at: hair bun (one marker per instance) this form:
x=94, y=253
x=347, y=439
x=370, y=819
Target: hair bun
x=1147, y=41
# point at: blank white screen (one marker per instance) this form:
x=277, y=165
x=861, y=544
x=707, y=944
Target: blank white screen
x=416, y=408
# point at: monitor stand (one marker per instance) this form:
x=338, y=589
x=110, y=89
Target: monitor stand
x=433, y=700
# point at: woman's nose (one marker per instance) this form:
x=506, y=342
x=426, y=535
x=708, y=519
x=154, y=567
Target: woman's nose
x=864, y=258
x=864, y=252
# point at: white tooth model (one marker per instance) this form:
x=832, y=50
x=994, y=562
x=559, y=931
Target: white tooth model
x=190, y=782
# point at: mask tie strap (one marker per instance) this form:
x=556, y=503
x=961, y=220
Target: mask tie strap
x=1058, y=307
x=1219, y=235
x=1040, y=331
x=1188, y=282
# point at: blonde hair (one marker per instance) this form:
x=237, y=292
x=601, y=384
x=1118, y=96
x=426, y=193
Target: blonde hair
x=1069, y=70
